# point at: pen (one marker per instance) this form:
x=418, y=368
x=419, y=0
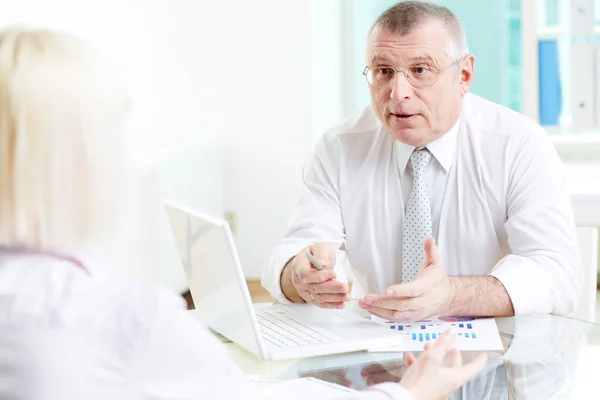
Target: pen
x=314, y=261
x=320, y=267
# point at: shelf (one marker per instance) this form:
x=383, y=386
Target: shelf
x=554, y=32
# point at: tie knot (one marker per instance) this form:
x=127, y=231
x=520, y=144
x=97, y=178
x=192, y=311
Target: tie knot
x=420, y=159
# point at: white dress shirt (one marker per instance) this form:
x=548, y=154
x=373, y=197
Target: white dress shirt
x=500, y=206
x=71, y=332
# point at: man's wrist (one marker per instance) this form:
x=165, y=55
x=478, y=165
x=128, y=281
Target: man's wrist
x=450, y=301
x=477, y=296
x=287, y=286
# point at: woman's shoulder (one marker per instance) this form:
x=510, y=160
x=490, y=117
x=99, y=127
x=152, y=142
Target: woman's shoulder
x=120, y=306
x=45, y=293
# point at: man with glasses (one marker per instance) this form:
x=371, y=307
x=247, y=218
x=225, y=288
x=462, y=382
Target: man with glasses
x=444, y=203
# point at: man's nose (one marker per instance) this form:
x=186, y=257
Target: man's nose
x=401, y=89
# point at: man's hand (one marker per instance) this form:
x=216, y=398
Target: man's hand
x=428, y=378
x=429, y=294
x=313, y=286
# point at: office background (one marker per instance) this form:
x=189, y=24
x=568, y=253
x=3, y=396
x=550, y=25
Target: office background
x=231, y=95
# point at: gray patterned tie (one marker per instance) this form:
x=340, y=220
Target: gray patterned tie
x=417, y=218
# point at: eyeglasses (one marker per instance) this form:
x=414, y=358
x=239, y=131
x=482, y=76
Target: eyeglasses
x=419, y=76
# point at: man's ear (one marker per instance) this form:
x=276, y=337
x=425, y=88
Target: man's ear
x=467, y=69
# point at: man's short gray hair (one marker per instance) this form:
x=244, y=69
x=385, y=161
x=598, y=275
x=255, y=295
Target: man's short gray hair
x=405, y=16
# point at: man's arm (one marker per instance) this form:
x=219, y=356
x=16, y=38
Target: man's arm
x=544, y=273
x=478, y=296
x=433, y=293
x=317, y=219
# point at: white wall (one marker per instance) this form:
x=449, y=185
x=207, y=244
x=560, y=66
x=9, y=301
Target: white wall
x=285, y=91
x=229, y=98
x=163, y=47
x=167, y=51
x=328, y=53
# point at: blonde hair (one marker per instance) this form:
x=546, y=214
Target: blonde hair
x=63, y=114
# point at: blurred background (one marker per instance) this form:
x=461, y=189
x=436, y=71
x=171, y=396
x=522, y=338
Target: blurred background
x=231, y=95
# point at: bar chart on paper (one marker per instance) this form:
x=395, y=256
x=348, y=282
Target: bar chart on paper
x=476, y=334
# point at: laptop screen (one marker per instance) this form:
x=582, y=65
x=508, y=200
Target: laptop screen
x=214, y=275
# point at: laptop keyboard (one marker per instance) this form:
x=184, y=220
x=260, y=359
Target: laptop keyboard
x=283, y=330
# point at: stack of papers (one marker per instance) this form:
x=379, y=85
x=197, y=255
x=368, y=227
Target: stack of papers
x=472, y=334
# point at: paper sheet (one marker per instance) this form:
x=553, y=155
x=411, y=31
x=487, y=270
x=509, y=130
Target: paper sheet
x=297, y=389
x=472, y=334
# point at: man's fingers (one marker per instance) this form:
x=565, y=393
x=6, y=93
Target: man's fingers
x=330, y=287
x=306, y=273
x=302, y=263
x=432, y=255
x=390, y=315
x=324, y=254
x=332, y=305
x=310, y=275
x=323, y=300
x=380, y=312
x=411, y=289
x=329, y=298
x=464, y=373
x=390, y=302
x=454, y=358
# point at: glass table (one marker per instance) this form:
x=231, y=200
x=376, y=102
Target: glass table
x=545, y=357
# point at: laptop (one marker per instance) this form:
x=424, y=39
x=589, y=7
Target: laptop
x=270, y=331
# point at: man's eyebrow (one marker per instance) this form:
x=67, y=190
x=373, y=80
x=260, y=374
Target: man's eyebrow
x=378, y=57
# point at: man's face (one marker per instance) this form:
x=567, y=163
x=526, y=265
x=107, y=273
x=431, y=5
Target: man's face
x=418, y=116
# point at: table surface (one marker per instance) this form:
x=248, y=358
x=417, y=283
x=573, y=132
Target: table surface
x=545, y=357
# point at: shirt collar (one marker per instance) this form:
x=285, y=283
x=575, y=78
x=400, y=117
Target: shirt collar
x=84, y=261
x=442, y=149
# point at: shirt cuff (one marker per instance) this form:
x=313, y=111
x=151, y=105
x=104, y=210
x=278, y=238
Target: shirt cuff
x=528, y=284
x=271, y=278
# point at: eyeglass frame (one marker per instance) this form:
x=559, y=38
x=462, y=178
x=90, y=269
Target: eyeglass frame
x=437, y=73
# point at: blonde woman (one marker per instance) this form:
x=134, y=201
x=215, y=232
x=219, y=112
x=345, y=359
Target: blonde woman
x=67, y=330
